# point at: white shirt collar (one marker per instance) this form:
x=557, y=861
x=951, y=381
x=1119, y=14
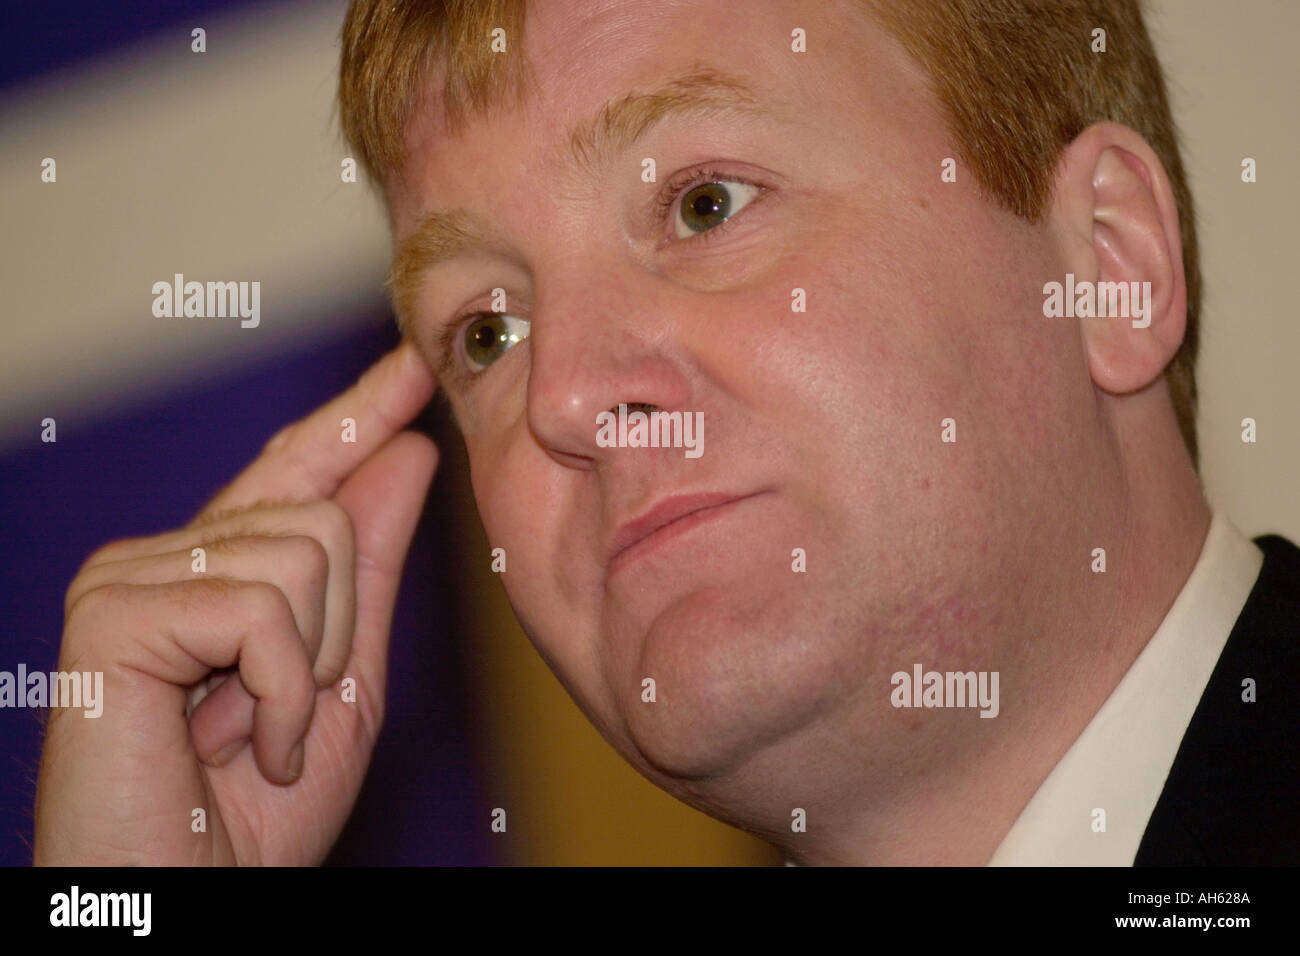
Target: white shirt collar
x=1120, y=761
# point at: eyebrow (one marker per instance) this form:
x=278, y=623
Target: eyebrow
x=614, y=129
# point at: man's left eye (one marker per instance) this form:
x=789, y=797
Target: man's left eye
x=708, y=205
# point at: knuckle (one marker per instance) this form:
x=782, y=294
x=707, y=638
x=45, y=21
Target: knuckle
x=92, y=604
x=96, y=621
x=104, y=554
x=280, y=440
x=336, y=531
x=76, y=588
x=263, y=603
x=307, y=564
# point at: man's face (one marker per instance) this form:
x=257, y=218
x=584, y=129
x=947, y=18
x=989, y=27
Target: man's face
x=923, y=303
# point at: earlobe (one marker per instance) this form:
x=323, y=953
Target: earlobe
x=1114, y=213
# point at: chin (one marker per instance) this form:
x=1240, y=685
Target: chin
x=733, y=676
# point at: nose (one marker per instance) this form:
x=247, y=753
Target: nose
x=594, y=346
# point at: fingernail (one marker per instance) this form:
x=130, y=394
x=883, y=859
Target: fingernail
x=227, y=753
x=295, y=761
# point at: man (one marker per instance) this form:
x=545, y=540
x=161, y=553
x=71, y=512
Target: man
x=829, y=234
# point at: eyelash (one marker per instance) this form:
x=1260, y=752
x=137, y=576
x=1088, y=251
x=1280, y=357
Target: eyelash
x=679, y=186
x=665, y=203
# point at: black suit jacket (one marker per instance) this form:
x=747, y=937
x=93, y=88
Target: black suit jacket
x=1233, y=794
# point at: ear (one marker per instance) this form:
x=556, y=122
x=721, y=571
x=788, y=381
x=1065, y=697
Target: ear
x=1116, y=221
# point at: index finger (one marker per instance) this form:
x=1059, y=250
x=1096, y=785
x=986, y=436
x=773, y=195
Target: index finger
x=309, y=459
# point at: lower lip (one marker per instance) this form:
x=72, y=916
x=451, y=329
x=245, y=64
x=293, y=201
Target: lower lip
x=673, y=530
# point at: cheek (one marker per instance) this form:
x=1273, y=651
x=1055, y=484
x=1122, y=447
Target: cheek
x=859, y=356
x=922, y=314
x=904, y=327
x=526, y=505
x=527, y=510
x=508, y=502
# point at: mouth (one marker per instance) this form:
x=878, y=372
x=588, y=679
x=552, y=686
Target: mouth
x=667, y=520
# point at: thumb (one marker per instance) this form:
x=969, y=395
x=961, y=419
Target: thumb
x=384, y=498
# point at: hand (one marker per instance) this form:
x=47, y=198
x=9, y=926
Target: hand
x=222, y=688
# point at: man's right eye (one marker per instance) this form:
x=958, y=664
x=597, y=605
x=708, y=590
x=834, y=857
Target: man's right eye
x=489, y=336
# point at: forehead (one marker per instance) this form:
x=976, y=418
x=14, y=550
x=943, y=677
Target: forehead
x=581, y=54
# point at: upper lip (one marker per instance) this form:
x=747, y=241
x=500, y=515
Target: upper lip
x=664, y=513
